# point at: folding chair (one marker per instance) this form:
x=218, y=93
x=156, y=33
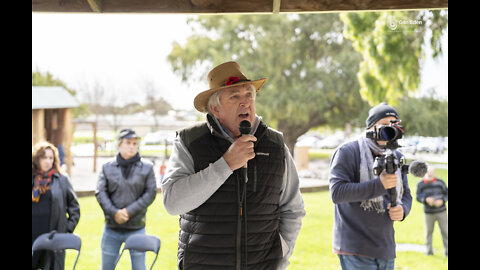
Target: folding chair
x=141, y=243
x=58, y=241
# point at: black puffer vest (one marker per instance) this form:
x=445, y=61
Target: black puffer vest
x=234, y=229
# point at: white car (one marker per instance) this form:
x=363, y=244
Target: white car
x=159, y=137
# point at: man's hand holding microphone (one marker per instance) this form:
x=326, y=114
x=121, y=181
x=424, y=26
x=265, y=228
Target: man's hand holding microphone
x=241, y=151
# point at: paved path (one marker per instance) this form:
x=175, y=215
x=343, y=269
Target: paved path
x=315, y=178
x=84, y=180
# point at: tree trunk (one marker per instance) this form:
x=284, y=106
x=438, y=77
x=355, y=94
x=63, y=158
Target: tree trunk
x=291, y=132
x=290, y=142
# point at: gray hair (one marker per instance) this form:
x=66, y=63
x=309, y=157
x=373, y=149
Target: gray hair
x=214, y=99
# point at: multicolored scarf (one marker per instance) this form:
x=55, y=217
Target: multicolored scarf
x=41, y=183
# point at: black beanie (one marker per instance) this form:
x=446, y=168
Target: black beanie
x=380, y=111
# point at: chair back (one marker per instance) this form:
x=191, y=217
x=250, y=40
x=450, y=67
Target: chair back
x=142, y=243
x=54, y=241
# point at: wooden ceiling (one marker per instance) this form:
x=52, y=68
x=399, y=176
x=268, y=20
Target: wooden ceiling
x=230, y=6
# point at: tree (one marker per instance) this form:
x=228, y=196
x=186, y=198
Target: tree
x=47, y=79
x=310, y=66
x=94, y=96
x=392, y=47
x=426, y=116
x=157, y=106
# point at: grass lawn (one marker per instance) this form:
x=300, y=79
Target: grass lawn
x=312, y=251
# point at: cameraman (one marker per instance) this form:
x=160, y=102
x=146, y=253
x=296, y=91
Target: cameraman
x=363, y=234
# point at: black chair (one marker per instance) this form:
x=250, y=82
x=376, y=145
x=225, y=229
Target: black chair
x=58, y=241
x=141, y=243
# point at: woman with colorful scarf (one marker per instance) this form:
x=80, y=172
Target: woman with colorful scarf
x=54, y=203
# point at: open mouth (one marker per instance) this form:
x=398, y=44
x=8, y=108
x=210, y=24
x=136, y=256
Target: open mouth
x=243, y=115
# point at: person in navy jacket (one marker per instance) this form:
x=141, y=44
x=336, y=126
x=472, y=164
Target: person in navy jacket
x=433, y=193
x=363, y=233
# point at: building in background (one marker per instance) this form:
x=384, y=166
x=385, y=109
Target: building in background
x=52, y=119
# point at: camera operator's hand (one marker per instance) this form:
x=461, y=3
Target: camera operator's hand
x=388, y=180
x=240, y=152
x=396, y=212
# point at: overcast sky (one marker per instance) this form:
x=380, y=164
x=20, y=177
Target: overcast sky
x=122, y=51
x=118, y=51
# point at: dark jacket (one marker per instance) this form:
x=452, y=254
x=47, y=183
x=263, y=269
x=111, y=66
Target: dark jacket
x=234, y=227
x=355, y=230
x=64, y=202
x=436, y=189
x=135, y=193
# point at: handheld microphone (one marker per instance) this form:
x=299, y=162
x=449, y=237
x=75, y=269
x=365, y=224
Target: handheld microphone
x=245, y=128
x=418, y=168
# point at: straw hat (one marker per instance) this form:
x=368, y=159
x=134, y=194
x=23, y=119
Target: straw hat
x=221, y=77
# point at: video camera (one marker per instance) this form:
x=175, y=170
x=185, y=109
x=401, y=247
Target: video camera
x=390, y=133
x=388, y=161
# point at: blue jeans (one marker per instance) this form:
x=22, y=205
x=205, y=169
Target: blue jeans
x=111, y=242
x=354, y=262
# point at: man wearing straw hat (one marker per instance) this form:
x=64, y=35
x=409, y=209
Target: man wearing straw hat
x=237, y=195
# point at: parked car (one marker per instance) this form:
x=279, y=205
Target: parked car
x=331, y=142
x=431, y=145
x=308, y=140
x=159, y=137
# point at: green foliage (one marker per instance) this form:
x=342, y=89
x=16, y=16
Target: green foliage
x=311, y=67
x=392, y=46
x=47, y=79
x=159, y=106
x=426, y=116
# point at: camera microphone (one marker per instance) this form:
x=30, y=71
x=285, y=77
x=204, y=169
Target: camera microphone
x=418, y=168
x=245, y=128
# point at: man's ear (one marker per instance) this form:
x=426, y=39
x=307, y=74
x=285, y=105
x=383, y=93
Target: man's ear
x=214, y=110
